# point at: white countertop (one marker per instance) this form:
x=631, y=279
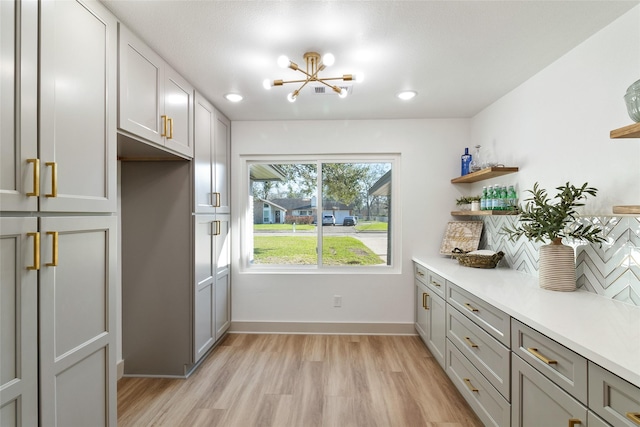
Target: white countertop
x=600, y=329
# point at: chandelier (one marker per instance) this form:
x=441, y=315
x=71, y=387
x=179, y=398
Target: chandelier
x=315, y=64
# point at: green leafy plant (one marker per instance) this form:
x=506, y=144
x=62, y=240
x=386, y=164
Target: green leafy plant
x=465, y=200
x=543, y=218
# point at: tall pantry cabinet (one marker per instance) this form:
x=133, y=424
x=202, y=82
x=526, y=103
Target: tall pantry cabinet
x=175, y=223
x=57, y=199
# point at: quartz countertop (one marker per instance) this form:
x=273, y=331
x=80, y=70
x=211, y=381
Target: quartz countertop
x=603, y=330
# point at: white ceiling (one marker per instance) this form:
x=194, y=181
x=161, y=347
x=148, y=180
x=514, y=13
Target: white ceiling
x=460, y=56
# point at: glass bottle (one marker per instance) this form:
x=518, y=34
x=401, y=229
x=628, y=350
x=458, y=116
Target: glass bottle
x=475, y=164
x=465, y=160
x=483, y=199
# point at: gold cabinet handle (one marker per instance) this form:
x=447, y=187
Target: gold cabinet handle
x=634, y=416
x=170, y=120
x=420, y=273
x=54, y=257
x=217, y=200
x=164, y=125
x=425, y=304
x=470, y=386
x=470, y=307
x=574, y=421
x=54, y=179
x=535, y=352
x=36, y=177
x=216, y=228
x=436, y=284
x=470, y=343
x=36, y=251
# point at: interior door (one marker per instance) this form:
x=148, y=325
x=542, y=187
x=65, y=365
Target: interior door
x=18, y=322
x=77, y=321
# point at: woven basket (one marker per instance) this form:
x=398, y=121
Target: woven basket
x=479, y=261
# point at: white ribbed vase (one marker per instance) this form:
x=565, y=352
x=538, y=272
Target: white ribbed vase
x=557, y=267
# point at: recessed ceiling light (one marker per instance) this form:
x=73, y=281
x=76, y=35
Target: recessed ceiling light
x=406, y=95
x=233, y=97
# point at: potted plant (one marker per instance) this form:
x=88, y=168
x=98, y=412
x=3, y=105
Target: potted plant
x=466, y=202
x=544, y=219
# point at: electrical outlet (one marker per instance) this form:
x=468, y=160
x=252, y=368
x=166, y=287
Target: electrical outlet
x=337, y=300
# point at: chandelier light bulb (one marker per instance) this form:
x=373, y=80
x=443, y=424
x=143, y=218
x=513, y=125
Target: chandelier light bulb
x=328, y=59
x=343, y=93
x=283, y=61
x=358, y=77
x=291, y=97
x=267, y=84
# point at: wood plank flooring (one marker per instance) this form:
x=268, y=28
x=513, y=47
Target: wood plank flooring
x=302, y=381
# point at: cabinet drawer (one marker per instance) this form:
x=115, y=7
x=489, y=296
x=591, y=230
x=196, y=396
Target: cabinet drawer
x=489, y=318
x=536, y=401
x=487, y=403
x=613, y=398
x=595, y=421
x=490, y=357
x=433, y=281
x=562, y=366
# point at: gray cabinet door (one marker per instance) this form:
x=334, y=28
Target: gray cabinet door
x=223, y=278
x=18, y=321
x=178, y=108
x=204, y=292
x=436, y=328
x=78, y=66
x=203, y=167
x=18, y=140
x=141, y=80
x=222, y=160
x=536, y=401
x=77, y=321
x=422, y=313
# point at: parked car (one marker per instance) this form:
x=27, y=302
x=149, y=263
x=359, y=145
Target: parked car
x=350, y=220
x=328, y=220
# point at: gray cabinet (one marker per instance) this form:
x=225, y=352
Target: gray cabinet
x=612, y=398
x=155, y=102
x=537, y=401
x=58, y=271
x=430, y=314
x=211, y=159
x=223, y=275
x=72, y=167
x=19, y=254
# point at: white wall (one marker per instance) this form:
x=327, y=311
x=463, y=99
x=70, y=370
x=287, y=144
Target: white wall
x=430, y=152
x=555, y=126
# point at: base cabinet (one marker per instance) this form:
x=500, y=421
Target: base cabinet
x=430, y=312
x=539, y=402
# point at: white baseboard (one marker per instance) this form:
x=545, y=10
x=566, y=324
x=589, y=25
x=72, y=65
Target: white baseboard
x=322, y=328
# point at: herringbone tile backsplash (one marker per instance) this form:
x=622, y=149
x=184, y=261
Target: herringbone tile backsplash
x=611, y=270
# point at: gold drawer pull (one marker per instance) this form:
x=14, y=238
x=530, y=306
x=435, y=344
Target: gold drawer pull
x=470, y=307
x=36, y=251
x=424, y=300
x=36, y=177
x=470, y=386
x=574, y=421
x=470, y=343
x=164, y=125
x=535, y=352
x=634, y=416
x=170, y=129
x=54, y=179
x=436, y=284
x=419, y=273
x=217, y=197
x=54, y=260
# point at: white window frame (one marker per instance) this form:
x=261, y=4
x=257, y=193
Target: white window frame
x=245, y=221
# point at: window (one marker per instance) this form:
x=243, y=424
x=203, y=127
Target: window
x=338, y=213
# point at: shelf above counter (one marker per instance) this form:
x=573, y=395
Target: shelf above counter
x=631, y=131
x=483, y=213
x=486, y=173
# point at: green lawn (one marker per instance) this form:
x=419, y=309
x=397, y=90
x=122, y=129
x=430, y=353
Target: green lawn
x=301, y=250
x=282, y=227
x=371, y=226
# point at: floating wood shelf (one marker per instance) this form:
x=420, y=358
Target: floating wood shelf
x=486, y=173
x=631, y=131
x=482, y=213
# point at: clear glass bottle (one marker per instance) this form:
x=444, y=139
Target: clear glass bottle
x=476, y=163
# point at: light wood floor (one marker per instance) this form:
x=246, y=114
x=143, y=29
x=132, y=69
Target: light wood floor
x=302, y=381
